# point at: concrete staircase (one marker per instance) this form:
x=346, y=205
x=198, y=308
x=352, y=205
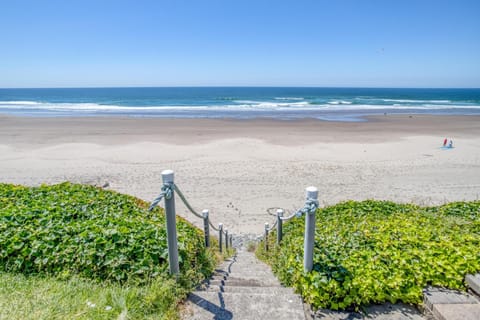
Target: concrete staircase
x=244, y=288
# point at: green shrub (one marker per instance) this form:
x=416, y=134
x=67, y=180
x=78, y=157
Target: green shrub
x=69, y=229
x=378, y=251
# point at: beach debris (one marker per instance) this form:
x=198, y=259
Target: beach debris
x=106, y=185
x=91, y=304
x=108, y=308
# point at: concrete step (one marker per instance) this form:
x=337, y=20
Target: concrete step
x=248, y=276
x=243, y=283
x=446, y=304
x=242, y=289
x=473, y=282
x=225, y=305
x=386, y=311
x=456, y=311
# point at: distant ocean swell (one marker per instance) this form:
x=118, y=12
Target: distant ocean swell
x=282, y=103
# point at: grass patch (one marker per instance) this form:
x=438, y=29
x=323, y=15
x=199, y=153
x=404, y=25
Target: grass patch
x=38, y=297
x=378, y=251
x=64, y=245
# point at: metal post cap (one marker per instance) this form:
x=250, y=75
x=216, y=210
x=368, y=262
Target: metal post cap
x=312, y=192
x=205, y=213
x=167, y=176
x=280, y=212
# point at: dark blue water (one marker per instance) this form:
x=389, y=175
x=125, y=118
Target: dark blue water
x=348, y=104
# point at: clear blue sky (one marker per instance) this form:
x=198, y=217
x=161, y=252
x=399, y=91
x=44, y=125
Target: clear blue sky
x=365, y=43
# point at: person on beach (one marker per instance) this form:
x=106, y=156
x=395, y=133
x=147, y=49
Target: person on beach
x=445, y=142
x=450, y=145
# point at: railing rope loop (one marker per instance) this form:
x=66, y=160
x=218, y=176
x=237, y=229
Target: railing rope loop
x=166, y=192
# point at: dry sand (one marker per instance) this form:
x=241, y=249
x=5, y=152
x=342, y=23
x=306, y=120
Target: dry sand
x=239, y=168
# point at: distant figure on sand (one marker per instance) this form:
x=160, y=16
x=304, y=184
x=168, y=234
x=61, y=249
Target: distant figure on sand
x=450, y=145
x=445, y=142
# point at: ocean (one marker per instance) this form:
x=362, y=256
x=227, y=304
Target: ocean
x=336, y=104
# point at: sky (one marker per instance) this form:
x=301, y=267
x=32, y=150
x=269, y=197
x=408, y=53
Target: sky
x=327, y=43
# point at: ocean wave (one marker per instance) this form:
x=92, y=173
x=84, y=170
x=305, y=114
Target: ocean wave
x=289, y=98
x=19, y=103
x=267, y=105
x=335, y=102
x=236, y=106
x=416, y=101
x=359, y=107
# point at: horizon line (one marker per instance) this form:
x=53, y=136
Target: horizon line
x=240, y=86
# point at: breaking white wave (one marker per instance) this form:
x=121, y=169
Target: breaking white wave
x=19, y=103
x=32, y=107
x=339, y=102
x=416, y=101
x=289, y=98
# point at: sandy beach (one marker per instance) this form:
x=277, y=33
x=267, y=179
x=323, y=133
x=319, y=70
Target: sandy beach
x=239, y=168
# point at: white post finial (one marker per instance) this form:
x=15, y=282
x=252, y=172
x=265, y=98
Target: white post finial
x=167, y=176
x=205, y=213
x=312, y=193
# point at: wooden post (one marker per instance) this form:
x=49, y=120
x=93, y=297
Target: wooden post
x=206, y=228
x=279, y=225
x=266, y=236
x=220, y=236
x=167, y=176
x=309, y=241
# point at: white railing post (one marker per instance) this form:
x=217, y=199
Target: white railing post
x=266, y=236
x=309, y=241
x=279, y=225
x=226, y=239
x=167, y=177
x=220, y=236
x=206, y=229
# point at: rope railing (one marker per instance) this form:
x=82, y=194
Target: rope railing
x=168, y=190
x=273, y=225
x=211, y=225
x=310, y=207
x=185, y=202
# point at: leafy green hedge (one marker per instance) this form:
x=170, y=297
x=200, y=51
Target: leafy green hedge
x=70, y=229
x=377, y=251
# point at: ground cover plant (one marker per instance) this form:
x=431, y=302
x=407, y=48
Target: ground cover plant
x=79, y=236
x=377, y=251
